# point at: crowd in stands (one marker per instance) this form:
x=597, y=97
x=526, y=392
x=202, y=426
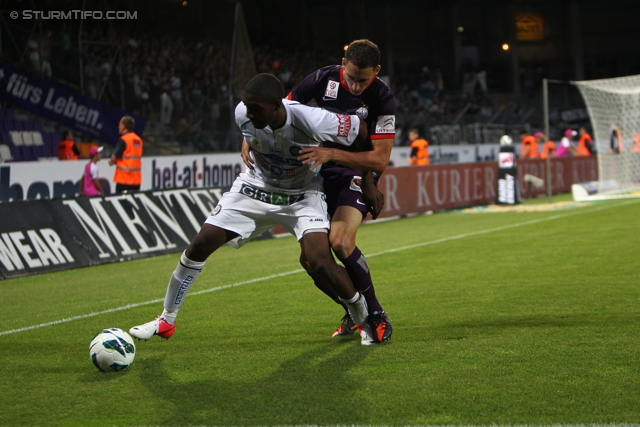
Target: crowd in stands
x=180, y=84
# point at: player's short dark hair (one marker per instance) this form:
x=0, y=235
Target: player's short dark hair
x=67, y=134
x=266, y=87
x=363, y=53
x=128, y=122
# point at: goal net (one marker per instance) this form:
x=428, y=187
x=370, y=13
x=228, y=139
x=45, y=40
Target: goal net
x=614, y=109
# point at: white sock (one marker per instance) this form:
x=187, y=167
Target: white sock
x=357, y=309
x=181, y=280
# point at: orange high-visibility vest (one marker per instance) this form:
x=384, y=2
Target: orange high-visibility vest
x=583, y=150
x=129, y=166
x=548, y=150
x=533, y=147
x=65, y=150
x=422, y=155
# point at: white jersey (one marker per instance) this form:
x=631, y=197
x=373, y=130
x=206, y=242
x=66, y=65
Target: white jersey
x=275, y=152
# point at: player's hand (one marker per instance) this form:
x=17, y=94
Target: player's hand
x=373, y=199
x=245, y=154
x=315, y=155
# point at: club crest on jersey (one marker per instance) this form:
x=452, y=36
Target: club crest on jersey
x=255, y=143
x=386, y=124
x=331, y=92
x=362, y=112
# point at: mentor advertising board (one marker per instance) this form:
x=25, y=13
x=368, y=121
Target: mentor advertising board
x=47, y=235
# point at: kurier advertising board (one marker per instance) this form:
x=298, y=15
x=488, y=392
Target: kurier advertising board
x=420, y=189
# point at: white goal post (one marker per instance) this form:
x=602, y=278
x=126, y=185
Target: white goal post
x=613, y=106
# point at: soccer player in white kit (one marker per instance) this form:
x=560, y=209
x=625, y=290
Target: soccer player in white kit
x=278, y=190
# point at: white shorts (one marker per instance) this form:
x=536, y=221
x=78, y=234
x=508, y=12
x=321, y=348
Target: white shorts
x=249, y=212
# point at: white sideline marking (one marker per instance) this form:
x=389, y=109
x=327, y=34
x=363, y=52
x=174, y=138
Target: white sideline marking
x=300, y=270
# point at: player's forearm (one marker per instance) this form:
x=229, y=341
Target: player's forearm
x=364, y=160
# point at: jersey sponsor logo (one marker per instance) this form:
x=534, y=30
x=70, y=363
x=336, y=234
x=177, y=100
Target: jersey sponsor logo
x=273, y=198
x=362, y=112
x=386, y=124
x=344, y=124
x=331, y=92
x=285, y=160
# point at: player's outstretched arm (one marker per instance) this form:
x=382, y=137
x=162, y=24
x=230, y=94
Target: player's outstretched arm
x=245, y=154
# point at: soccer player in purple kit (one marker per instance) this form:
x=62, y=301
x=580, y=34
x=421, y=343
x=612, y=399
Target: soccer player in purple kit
x=278, y=190
x=350, y=176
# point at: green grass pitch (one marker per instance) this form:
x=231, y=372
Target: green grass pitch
x=500, y=316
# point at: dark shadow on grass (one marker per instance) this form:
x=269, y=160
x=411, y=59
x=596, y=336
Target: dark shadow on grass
x=490, y=325
x=312, y=388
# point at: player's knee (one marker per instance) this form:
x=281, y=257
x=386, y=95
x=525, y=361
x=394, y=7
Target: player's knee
x=342, y=246
x=304, y=262
x=321, y=265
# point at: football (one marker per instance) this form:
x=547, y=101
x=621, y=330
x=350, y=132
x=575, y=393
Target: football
x=112, y=350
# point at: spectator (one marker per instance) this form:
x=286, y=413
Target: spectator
x=419, y=148
x=90, y=182
x=67, y=149
x=566, y=148
x=176, y=93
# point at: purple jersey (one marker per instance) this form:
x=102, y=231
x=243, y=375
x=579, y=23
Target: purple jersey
x=376, y=106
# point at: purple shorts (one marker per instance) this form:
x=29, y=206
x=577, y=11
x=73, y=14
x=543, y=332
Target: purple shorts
x=344, y=191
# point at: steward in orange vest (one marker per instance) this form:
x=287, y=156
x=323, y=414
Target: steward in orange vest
x=585, y=143
x=67, y=149
x=529, y=149
x=548, y=147
x=548, y=150
x=419, y=149
x=127, y=157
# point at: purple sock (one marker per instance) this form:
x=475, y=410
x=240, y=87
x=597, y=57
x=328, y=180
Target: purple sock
x=325, y=287
x=358, y=269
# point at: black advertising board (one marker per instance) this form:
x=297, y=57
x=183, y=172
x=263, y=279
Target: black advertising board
x=48, y=235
